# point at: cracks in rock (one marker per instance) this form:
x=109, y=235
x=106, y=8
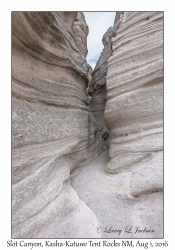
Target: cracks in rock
x=148, y=192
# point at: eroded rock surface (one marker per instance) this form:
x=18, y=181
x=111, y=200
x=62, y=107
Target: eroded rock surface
x=53, y=131
x=97, y=84
x=126, y=191
x=116, y=209
x=58, y=190
x=134, y=107
x=135, y=96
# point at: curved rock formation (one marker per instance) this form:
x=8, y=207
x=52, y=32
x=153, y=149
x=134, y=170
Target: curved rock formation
x=134, y=107
x=97, y=84
x=53, y=131
x=135, y=96
x=57, y=128
x=129, y=197
x=80, y=31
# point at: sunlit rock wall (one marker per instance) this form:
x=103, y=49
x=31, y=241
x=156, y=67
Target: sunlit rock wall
x=53, y=131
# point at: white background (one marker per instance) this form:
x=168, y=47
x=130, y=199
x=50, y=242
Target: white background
x=5, y=96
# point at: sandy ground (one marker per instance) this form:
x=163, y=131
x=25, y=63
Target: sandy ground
x=118, y=213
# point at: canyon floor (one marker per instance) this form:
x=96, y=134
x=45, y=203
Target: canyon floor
x=119, y=214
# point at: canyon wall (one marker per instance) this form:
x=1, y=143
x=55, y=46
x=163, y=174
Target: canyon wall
x=126, y=188
x=58, y=190
x=97, y=84
x=53, y=131
x=134, y=109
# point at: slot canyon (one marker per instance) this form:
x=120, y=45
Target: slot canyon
x=87, y=145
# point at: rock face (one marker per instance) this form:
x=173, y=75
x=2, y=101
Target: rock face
x=128, y=199
x=135, y=96
x=97, y=84
x=134, y=107
x=58, y=190
x=53, y=131
x=80, y=31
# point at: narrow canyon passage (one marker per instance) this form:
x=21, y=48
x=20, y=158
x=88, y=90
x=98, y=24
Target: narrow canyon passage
x=67, y=182
x=118, y=185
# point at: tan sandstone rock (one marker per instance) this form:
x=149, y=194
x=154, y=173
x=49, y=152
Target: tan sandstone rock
x=53, y=131
x=58, y=190
x=134, y=107
x=126, y=188
x=97, y=84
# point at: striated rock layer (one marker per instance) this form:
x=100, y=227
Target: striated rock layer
x=56, y=135
x=53, y=131
x=97, y=84
x=126, y=188
x=134, y=107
